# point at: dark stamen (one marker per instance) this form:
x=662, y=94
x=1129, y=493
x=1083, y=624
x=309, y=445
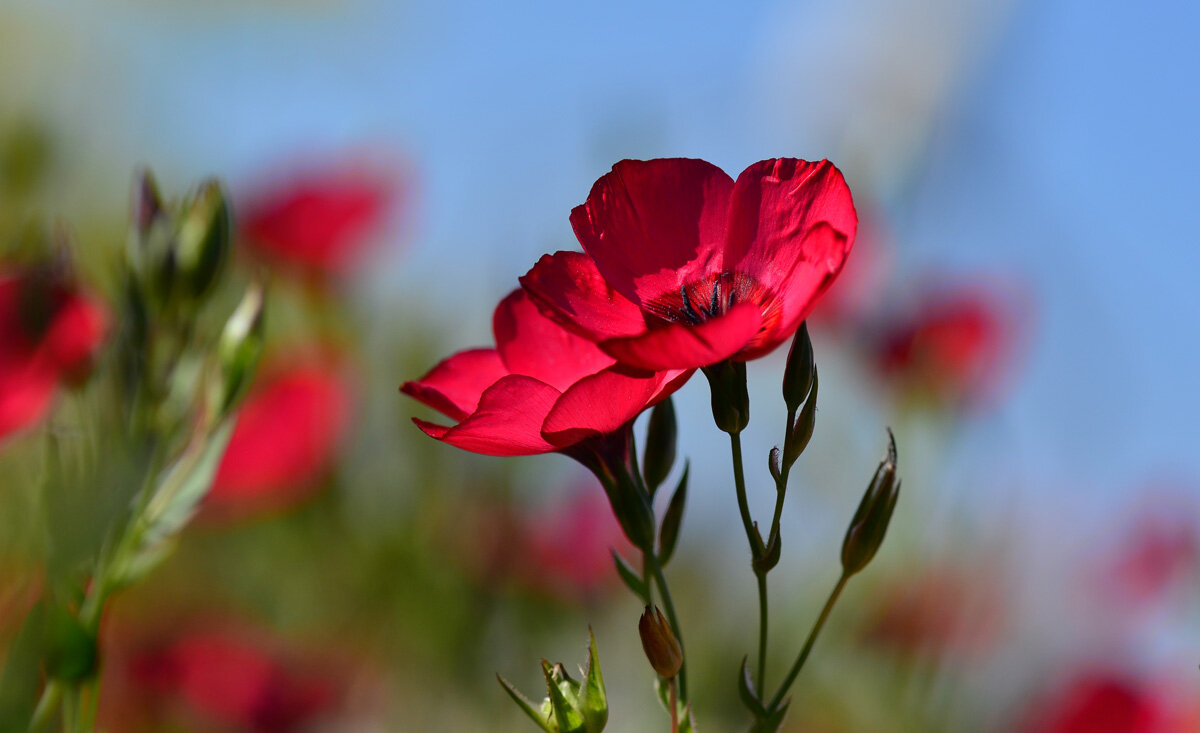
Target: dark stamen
x=715, y=300
x=687, y=305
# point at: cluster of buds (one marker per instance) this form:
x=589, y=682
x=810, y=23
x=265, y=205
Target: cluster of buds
x=570, y=706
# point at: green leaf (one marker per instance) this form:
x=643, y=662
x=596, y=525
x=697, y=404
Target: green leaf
x=773, y=721
x=630, y=577
x=527, y=705
x=593, y=700
x=668, y=534
x=71, y=651
x=748, y=694
x=19, y=681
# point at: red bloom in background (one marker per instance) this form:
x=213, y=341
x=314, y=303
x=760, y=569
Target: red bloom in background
x=234, y=679
x=49, y=332
x=1104, y=704
x=567, y=551
x=1160, y=548
x=953, y=348
x=686, y=267
x=319, y=221
x=541, y=389
x=286, y=438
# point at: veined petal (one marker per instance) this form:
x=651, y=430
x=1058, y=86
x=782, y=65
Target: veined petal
x=775, y=209
x=532, y=344
x=568, y=287
x=599, y=404
x=454, y=386
x=654, y=225
x=508, y=421
x=688, y=346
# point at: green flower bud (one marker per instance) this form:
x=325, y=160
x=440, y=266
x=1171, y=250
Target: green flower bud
x=238, y=350
x=800, y=369
x=730, y=400
x=870, y=523
x=570, y=706
x=202, y=241
x=660, y=644
x=661, y=435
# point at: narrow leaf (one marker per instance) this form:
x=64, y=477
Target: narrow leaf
x=668, y=534
x=748, y=694
x=630, y=577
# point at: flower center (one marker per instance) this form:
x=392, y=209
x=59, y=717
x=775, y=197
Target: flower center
x=715, y=295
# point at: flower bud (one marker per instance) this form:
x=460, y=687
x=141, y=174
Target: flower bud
x=238, y=350
x=147, y=204
x=802, y=432
x=730, y=400
x=202, y=241
x=870, y=523
x=800, y=370
x=660, y=644
x=578, y=707
x=661, y=435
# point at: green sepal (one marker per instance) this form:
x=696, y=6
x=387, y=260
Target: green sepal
x=593, y=699
x=668, y=533
x=527, y=705
x=630, y=577
x=661, y=436
x=564, y=694
x=801, y=433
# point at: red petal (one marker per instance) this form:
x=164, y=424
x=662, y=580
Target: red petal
x=286, y=437
x=652, y=226
x=76, y=332
x=599, y=404
x=776, y=235
x=531, y=344
x=686, y=346
x=508, y=421
x=454, y=386
x=26, y=392
x=568, y=287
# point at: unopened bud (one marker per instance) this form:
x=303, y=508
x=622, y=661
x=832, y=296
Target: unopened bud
x=240, y=346
x=202, y=242
x=800, y=369
x=146, y=204
x=660, y=644
x=870, y=523
x=730, y=400
x=802, y=432
x=661, y=435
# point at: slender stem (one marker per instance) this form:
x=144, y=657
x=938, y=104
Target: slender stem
x=665, y=592
x=46, y=706
x=762, y=629
x=739, y=482
x=674, y=706
x=781, y=485
x=808, y=644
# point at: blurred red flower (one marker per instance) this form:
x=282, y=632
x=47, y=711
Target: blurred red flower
x=49, y=333
x=953, y=348
x=286, y=437
x=1161, y=547
x=541, y=389
x=318, y=221
x=1105, y=704
x=942, y=610
x=234, y=679
x=692, y=268
x=567, y=549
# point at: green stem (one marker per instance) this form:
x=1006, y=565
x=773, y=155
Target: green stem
x=808, y=644
x=46, y=706
x=762, y=629
x=665, y=592
x=739, y=481
x=781, y=484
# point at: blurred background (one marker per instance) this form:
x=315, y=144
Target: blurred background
x=1019, y=308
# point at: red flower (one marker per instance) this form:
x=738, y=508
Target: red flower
x=954, y=347
x=285, y=441
x=691, y=268
x=567, y=550
x=541, y=389
x=49, y=332
x=233, y=679
x=319, y=221
x=1102, y=704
